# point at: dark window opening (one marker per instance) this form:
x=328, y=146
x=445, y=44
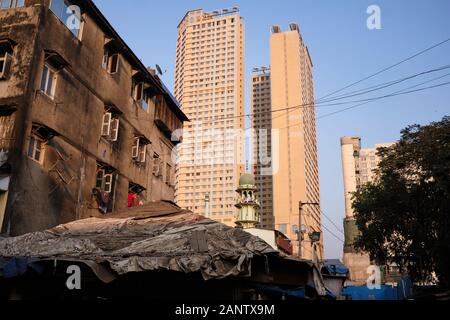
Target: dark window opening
x=111, y=61
x=139, y=149
x=48, y=81
x=139, y=94
x=136, y=196
x=110, y=125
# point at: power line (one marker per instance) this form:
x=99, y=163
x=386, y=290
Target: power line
x=367, y=101
x=307, y=214
x=384, y=85
x=328, y=103
x=385, y=69
x=364, y=103
x=386, y=96
x=332, y=222
x=332, y=233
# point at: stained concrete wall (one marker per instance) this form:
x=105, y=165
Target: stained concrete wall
x=38, y=199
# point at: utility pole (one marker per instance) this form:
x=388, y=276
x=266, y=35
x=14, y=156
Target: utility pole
x=300, y=229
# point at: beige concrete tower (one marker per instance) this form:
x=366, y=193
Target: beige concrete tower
x=209, y=84
x=358, y=167
x=261, y=150
x=296, y=178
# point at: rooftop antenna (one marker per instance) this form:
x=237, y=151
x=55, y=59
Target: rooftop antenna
x=160, y=72
x=261, y=69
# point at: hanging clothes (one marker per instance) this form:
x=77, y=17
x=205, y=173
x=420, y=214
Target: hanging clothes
x=103, y=199
x=133, y=200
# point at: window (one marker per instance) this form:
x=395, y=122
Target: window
x=69, y=15
x=139, y=95
x=139, y=150
x=136, y=195
x=35, y=149
x=110, y=62
x=7, y=4
x=5, y=64
x=105, y=180
x=108, y=182
x=48, y=81
x=110, y=127
x=156, y=165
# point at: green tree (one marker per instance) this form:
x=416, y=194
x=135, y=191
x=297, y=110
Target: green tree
x=404, y=214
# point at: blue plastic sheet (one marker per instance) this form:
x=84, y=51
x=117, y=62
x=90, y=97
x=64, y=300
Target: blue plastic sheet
x=17, y=266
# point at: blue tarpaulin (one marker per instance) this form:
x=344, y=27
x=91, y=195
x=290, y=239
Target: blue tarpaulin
x=335, y=266
x=13, y=267
x=386, y=292
x=296, y=292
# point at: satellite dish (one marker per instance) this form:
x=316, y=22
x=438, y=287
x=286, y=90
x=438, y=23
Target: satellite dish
x=160, y=72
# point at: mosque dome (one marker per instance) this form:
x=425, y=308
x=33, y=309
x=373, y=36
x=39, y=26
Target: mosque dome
x=247, y=179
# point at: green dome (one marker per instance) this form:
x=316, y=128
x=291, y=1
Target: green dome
x=247, y=179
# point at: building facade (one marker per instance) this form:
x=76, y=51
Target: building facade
x=296, y=177
x=85, y=127
x=209, y=83
x=261, y=147
x=358, y=167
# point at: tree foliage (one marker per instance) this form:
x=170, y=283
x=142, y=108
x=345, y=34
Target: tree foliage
x=404, y=214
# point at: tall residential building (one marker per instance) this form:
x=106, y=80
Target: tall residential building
x=296, y=177
x=209, y=83
x=75, y=141
x=261, y=149
x=358, y=167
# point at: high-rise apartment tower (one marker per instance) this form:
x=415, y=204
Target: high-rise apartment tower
x=261, y=150
x=296, y=177
x=209, y=84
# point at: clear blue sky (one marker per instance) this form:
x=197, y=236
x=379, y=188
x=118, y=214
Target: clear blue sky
x=343, y=50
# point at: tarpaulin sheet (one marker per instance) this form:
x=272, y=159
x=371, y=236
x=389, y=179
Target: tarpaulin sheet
x=159, y=236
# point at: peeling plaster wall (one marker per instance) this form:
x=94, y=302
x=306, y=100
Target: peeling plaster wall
x=21, y=26
x=38, y=198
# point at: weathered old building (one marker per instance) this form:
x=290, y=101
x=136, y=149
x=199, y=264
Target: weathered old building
x=85, y=127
